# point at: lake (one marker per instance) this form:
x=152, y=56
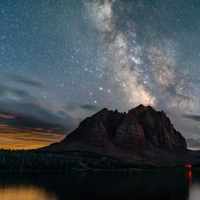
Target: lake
x=138, y=185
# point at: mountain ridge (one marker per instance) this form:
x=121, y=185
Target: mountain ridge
x=142, y=135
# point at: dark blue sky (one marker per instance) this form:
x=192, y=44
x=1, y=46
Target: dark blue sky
x=69, y=58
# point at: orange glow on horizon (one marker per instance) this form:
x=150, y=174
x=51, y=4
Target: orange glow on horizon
x=24, y=138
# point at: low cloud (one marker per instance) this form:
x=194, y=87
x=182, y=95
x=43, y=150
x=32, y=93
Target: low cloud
x=6, y=91
x=18, y=108
x=31, y=124
x=25, y=122
x=89, y=107
x=193, y=143
x=193, y=117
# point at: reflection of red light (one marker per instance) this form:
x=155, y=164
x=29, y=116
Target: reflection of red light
x=189, y=176
x=188, y=166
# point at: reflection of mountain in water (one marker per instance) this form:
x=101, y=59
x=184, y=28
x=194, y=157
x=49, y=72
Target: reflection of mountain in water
x=163, y=185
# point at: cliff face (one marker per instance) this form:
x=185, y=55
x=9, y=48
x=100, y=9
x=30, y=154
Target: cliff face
x=141, y=128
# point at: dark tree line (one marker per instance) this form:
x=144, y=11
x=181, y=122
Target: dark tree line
x=57, y=160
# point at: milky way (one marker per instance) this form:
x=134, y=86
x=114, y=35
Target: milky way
x=141, y=62
x=68, y=57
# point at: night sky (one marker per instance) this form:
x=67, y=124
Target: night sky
x=63, y=60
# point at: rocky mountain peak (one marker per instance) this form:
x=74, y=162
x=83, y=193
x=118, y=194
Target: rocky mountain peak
x=141, y=128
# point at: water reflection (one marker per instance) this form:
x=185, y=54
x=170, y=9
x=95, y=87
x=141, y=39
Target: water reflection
x=166, y=185
x=195, y=192
x=25, y=193
x=189, y=176
x=194, y=186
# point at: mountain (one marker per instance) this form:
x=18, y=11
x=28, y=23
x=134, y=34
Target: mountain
x=142, y=136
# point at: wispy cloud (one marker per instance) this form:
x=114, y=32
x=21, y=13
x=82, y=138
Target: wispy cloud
x=193, y=143
x=24, y=80
x=193, y=117
x=23, y=118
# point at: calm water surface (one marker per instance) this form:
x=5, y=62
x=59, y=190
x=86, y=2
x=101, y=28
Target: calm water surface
x=163, y=185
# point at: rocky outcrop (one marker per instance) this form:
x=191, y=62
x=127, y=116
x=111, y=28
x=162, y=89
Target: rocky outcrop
x=142, y=128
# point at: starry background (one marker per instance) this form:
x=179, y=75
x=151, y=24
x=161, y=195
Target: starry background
x=63, y=60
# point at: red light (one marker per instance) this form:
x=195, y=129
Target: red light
x=188, y=166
